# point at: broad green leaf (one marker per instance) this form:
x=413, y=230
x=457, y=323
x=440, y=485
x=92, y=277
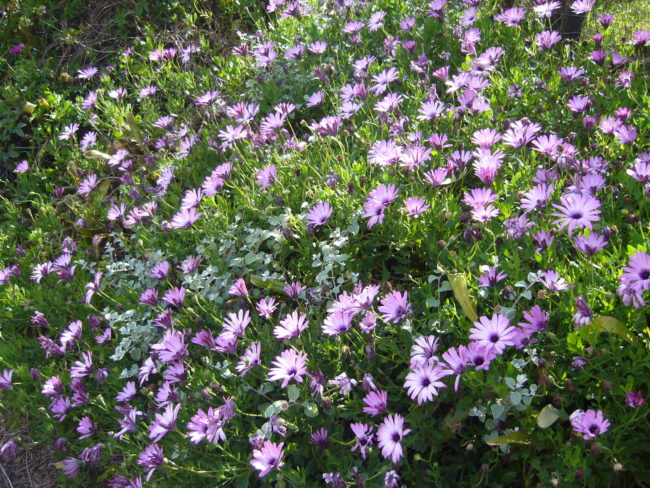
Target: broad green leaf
x=497, y=410
x=519, y=437
x=466, y=301
x=547, y=417
x=293, y=393
x=273, y=285
x=613, y=326
x=311, y=410
x=515, y=398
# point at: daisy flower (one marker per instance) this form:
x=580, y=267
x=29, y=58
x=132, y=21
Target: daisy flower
x=390, y=435
x=590, y=423
x=395, y=307
x=423, y=382
x=577, y=211
x=268, y=457
x=495, y=333
x=290, y=364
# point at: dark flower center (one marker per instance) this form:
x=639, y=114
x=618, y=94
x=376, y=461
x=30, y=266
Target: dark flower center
x=292, y=371
x=594, y=429
x=645, y=274
x=425, y=382
x=494, y=338
x=478, y=361
x=272, y=461
x=396, y=437
x=576, y=215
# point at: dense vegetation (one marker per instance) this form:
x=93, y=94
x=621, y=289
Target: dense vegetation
x=343, y=243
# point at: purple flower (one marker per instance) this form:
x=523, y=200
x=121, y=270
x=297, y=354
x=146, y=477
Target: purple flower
x=319, y=438
x=172, y=347
x=423, y=381
x=294, y=289
x=5, y=379
x=149, y=297
x=250, y=359
x=334, y=479
x=185, y=218
x=290, y=364
x=583, y=315
x=87, y=185
x=511, y=17
x=344, y=383
x=636, y=275
x=160, y=271
x=266, y=176
x=456, y=359
x=634, y=399
x=390, y=435
x=337, y=322
x=268, y=457
x=265, y=307
x=481, y=355
x=553, y=281
x=175, y=297
x=395, y=307
x=536, y=321
x=582, y=6
x=22, y=167
x=127, y=394
x=578, y=103
x=151, y=458
x=364, y=438
x=8, y=450
x=17, y=48
x=71, y=467
x=415, y=206
x=207, y=426
x=164, y=422
x=626, y=134
x=491, y=277
x=436, y=177
x=577, y=211
x=590, y=423
x=291, y=326
x=424, y=350
x=376, y=402
x=68, y=132
x=86, y=428
x=590, y=244
x=318, y=215
x=83, y=368
x=238, y=289
x=190, y=264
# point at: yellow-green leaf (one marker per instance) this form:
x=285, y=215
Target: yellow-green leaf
x=612, y=325
x=519, y=437
x=547, y=416
x=28, y=108
x=466, y=301
x=133, y=125
x=97, y=155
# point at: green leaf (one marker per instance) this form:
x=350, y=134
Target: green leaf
x=515, y=398
x=293, y=393
x=311, y=410
x=271, y=410
x=519, y=437
x=611, y=325
x=547, y=416
x=497, y=410
x=466, y=301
